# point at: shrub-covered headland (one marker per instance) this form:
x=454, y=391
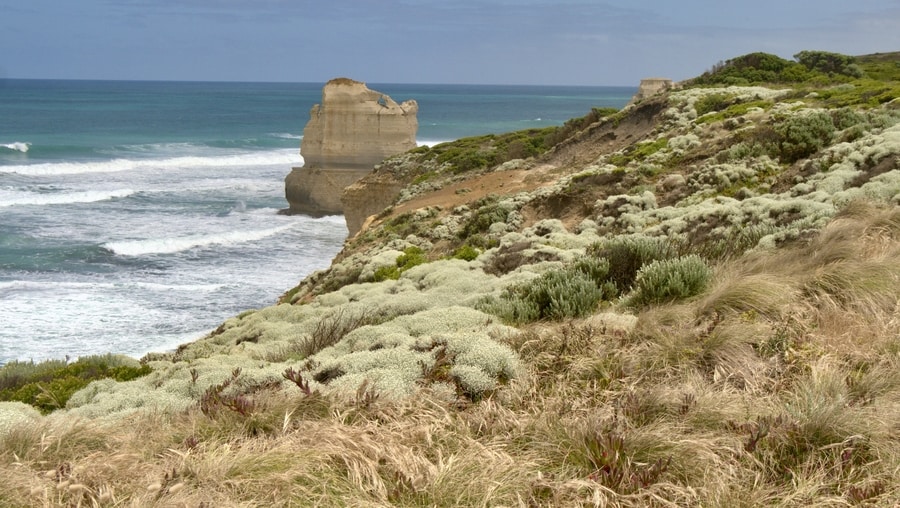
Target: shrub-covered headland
x=693, y=301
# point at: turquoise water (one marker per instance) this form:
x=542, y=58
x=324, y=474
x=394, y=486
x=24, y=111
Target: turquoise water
x=135, y=216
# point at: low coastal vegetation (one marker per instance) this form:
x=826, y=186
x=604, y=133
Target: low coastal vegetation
x=689, y=302
x=48, y=385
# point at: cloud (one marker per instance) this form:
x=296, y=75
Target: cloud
x=497, y=41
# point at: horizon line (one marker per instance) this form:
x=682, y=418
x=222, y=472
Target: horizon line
x=129, y=80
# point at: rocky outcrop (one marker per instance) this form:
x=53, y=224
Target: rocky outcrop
x=368, y=196
x=650, y=87
x=353, y=129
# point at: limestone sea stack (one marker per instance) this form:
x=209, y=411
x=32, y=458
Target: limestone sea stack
x=352, y=130
x=650, y=87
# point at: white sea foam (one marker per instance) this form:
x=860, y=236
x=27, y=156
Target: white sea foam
x=430, y=142
x=205, y=288
x=285, y=135
x=173, y=245
x=18, y=146
x=36, y=199
x=24, y=287
x=57, y=286
x=285, y=157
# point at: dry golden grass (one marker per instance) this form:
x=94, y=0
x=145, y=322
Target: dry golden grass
x=779, y=386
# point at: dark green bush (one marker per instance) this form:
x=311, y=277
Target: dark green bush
x=711, y=102
x=668, y=280
x=627, y=254
x=49, y=385
x=466, y=252
x=747, y=69
x=412, y=256
x=481, y=152
x=802, y=135
x=815, y=67
x=829, y=63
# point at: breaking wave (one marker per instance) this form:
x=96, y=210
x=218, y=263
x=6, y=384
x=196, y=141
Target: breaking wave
x=18, y=146
x=285, y=157
x=65, y=198
x=173, y=245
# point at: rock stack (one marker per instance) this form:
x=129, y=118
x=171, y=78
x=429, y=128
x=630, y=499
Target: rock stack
x=650, y=87
x=352, y=130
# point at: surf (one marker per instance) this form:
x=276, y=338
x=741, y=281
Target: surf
x=286, y=157
x=36, y=199
x=17, y=146
x=156, y=246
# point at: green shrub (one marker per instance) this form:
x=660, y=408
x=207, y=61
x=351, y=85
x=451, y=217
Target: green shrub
x=483, y=218
x=466, y=253
x=829, y=63
x=49, y=385
x=844, y=118
x=735, y=110
x=627, y=254
x=596, y=269
x=669, y=280
x=750, y=68
x=573, y=291
x=563, y=293
x=816, y=67
x=481, y=152
x=412, y=256
x=741, y=150
x=803, y=135
x=711, y=102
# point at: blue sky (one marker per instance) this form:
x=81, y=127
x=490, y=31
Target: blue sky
x=574, y=42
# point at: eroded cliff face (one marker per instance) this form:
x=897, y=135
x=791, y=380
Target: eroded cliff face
x=353, y=129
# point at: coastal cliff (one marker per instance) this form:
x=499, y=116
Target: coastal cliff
x=692, y=301
x=352, y=129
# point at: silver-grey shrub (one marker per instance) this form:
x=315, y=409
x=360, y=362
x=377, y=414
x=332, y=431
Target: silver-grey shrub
x=668, y=280
x=627, y=254
x=571, y=291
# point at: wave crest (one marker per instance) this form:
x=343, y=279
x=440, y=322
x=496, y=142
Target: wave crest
x=285, y=135
x=286, y=157
x=18, y=146
x=65, y=198
x=173, y=245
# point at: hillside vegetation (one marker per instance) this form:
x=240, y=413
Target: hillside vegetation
x=689, y=302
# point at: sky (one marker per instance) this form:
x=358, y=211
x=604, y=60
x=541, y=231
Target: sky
x=542, y=42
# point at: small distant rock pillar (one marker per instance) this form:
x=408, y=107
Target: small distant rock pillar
x=650, y=87
x=352, y=130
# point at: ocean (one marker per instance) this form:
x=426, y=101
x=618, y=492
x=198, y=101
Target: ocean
x=136, y=216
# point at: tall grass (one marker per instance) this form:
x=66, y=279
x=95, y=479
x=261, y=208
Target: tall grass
x=776, y=385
